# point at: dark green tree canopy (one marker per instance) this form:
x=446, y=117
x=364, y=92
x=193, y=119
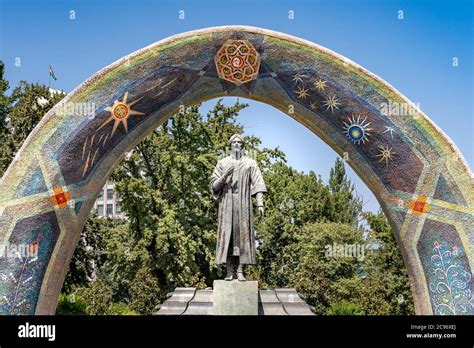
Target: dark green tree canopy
x=20, y=112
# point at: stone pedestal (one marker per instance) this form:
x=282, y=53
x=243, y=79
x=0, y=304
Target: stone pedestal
x=235, y=297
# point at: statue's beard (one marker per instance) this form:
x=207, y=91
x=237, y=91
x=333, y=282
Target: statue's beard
x=237, y=153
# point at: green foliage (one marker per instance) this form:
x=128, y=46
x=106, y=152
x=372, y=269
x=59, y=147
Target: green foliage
x=5, y=105
x=144, y=292
x=344, y=308
x=387, y=269
x=346, y=207
x=294, y=200
x=121, y=308
x=71, y=305
x=89, y=254
x=20, y=112
x=315, y=273
x=74, y=304
x=98, y=298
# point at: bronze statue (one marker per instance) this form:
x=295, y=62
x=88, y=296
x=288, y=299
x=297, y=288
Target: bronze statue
x=235, y=179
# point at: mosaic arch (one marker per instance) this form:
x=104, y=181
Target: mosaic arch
x=417, y=174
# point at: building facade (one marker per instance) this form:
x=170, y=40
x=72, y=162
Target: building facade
x=107, y=203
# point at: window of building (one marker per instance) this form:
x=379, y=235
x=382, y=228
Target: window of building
x=110, y=209
x=110, y=193
x=118, y=208
x=100, y=209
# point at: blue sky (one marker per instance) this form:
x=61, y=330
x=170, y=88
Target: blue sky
x=414, y=54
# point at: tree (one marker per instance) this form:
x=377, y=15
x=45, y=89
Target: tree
x=344, y=308
x=318, y=270
x=20, y=113
x=144, y=292
x=387, y=267
x=294, y=200
x=346, y=206
x=98, y=298
x=5, y=105
x=89, y=255
x=30, y=102
x=71, y=305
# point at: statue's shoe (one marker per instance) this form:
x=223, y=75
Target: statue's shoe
x=240, y=276
x=229, y=276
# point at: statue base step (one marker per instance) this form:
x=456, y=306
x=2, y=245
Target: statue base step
x=233, y=297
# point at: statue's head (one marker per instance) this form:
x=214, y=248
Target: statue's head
x=236, y=142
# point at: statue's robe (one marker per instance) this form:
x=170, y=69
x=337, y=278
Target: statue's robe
x=246, y=181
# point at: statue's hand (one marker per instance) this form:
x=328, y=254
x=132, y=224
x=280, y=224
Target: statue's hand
x=229, y=171
x=261, y=211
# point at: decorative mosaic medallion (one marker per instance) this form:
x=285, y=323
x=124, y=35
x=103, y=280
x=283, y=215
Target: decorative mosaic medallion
x=237, y=61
